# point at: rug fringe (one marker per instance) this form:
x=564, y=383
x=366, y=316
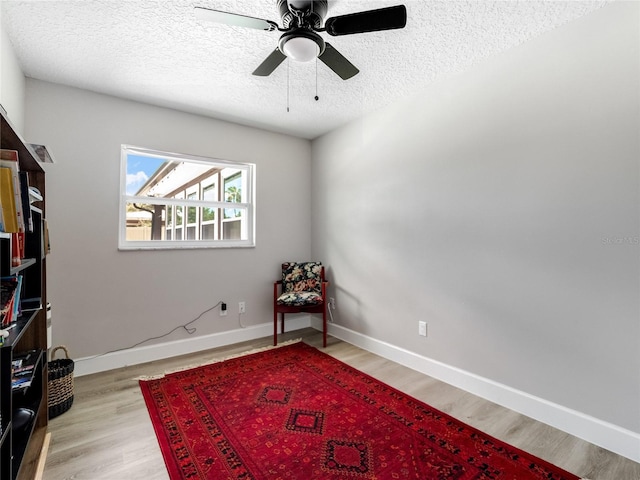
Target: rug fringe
x=146, y=378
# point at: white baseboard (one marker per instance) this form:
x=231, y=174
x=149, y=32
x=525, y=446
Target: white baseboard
x=604, y=434
x=135, y=356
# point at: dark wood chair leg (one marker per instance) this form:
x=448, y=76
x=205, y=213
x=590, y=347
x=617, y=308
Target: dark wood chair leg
x=275, y=327
x=324, y=327
x=282, y=322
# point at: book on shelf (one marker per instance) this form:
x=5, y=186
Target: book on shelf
x=9, y=159
x=8, y=201
x=17, y=310
x=22, y=376
x=45, y=237
x=15, y=203
x=22, y=369
x=6, y=309
x=17, y=248
x=8, y=291
x=12, y=184
x=24, y=360
x=24, y=197
x=20, y=383
x=13, y=286
x=11, y=289
x=9, y=155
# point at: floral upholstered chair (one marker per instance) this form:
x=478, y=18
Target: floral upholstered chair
x=303, y=290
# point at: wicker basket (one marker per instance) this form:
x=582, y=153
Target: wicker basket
x=60, y=383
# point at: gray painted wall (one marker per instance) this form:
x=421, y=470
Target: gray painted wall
x=105, y=299
x=502, y=207
x=12, y=82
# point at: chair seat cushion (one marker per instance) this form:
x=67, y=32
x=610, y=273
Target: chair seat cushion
x=298, y=299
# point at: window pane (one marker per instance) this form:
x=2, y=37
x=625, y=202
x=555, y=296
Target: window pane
x=233, y=194
x=140, y=171
x=209, y=232
x=191, y=215
x=191, y=211
x=232, y=213
x=210, y=192
x=208, y=214
x=145, y=222
x=206, y=200
x=232, y=230
x=233, y=188
x=161, y=177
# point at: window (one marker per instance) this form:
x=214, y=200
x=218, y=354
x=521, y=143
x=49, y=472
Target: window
x=170, y=200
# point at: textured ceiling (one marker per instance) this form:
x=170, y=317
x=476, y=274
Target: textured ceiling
x=158, y=52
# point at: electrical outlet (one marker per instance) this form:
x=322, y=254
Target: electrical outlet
x=332, y=303
x=422, y=328
x=223, y=309
x=241, y=307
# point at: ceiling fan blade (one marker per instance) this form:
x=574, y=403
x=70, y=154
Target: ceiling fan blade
x=270, y=63
x=233, y=19
x=370, y=21
x=333, y=59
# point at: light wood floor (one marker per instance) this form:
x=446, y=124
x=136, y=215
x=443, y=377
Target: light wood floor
x=107, y=434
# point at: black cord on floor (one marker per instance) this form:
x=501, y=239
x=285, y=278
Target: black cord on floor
x=186, y=327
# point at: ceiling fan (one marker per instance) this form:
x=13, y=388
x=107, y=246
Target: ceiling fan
x=301, y=22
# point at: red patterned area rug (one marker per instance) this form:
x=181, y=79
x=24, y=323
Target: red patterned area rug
x=296, y=413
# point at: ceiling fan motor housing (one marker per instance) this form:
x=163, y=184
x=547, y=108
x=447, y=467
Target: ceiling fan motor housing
x=310, y=12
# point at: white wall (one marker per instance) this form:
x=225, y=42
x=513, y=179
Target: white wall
x=12, y=82
x=104, y=299
x=502, y=207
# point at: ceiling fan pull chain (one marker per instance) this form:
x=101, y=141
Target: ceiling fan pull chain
x=317, y=97
x=288, y=70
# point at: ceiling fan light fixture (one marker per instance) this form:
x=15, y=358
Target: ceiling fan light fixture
x=301, y=49
x=302, y=45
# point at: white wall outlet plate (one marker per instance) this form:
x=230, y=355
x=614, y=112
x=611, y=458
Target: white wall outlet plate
x=422, y=328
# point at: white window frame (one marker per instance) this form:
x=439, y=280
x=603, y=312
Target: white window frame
x=247, y=205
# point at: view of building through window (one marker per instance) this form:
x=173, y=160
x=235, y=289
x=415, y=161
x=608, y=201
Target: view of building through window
x=180, y=201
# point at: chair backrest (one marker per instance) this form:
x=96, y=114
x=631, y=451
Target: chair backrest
x=302, y=277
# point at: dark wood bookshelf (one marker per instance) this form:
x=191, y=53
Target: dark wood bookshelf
x=21, y=448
